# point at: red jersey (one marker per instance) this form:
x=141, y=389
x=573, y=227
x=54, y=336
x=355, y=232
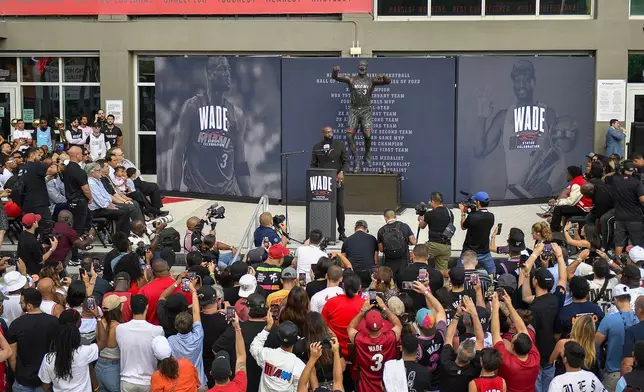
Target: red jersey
x=153, y=290
x=520, y=376
x=371, y=355
x=338, y=313
x=489, y=384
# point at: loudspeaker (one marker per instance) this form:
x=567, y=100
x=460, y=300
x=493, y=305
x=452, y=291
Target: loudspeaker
x=636, y=141
x=371, y=193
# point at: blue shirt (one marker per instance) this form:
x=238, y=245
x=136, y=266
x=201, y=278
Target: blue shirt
x=614, y=327
x=43, y=138
x=632, y=335
x=190, y=346
x=100, y=197
x=264, y=231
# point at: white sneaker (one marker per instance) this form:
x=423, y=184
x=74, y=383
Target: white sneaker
x=545, y=207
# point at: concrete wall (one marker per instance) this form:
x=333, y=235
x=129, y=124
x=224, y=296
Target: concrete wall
x=118, y=38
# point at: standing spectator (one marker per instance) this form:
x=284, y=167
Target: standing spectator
x=188, y=342
x=520, y=366
x=319, y=276
x=460, y=368
x=30, y=250
x=634, y=378
x=417, y=377
x=340, y=311
x=172, y=374
x=96, y=142
x=121, y=287
x=307, y=255
x=633, y=335
x=437, y=219
x=456, y=293
x=373, y=346
x=361, y=248
x=135, y=339
x=473, y=274
x=580, y=306
x=14, y=282
x=214, y=325
x=221, y=371
x=411, y=273
x=614, y=136
x=333, y=289
x=237, y=270
x=153, y=290
x=289, y=280
x=77, y=190
x=394, y=239
x=575, y=204
x=282, y=369
x=478, y=224
x=48, y=293
x=108, y=367
x=113, y=134
x=87, y=130
x=575, y=379
x=44, y=135
x=269, y=272
x=20, y=133
x=74, y=135
x=316, y=352
x=30, y=337
x=628, y=195
x=489, y=380
x=612, y=330
x=33, y=196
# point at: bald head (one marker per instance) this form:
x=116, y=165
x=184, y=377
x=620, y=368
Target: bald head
x=160, y=267
x=138, y=227
x=266, y=219
x=639, y=305
x=46, y=287
x=192, y=223
x=75, y=154
x=587, y=189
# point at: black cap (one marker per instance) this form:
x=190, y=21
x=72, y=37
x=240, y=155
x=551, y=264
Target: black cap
x=544, y=278
x=221, y=365
x=122, y=276
x=631, y=272
x=516, y=240
x=176, y=303
x=457, y=276
x=256, y=301
x=238, y=269
x=207, y=295
x=287, y=334
x=628, y=165
x=256, y=256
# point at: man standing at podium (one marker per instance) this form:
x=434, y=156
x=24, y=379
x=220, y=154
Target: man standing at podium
x=331, y=154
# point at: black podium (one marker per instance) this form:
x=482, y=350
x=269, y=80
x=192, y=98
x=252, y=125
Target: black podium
x=320, y=201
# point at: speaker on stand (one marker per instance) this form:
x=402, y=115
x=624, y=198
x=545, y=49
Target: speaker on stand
x=636, y=139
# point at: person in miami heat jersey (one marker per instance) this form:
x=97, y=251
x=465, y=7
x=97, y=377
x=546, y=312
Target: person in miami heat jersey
x=209, y=139
x=521, y=131
x=373, y=346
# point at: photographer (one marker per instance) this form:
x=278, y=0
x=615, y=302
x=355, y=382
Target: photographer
x=267, y=230
x=29, y=249
x=67, y=237
x=437, y=219
x=139, y=234
x=309, y=254
x=478, y=224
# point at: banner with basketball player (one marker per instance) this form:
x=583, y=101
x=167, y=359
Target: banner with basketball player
x=412, y=120
x=521, y=121
x=218, y=125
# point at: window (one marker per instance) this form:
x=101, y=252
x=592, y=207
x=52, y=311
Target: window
x=564, y=7
x=146, y=109
x=510, y=7
x=146, y=69
x=635, y=68
x=146, y=122
x=40, y=69
x=147, y=154
x=637, y=7
x=491, y=8
x=81, y=69
x=42, y=100
x=81, y=100
x=8, y=69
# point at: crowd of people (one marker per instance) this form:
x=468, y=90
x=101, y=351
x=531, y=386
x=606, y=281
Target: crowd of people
x=558, y=312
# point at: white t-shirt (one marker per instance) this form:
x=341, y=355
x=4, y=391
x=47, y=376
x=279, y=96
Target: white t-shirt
x=79, y=380
x=320, y=298
x=285, y=368
x=134, y=338
x=18, y=134
x=12, y=308
x=6, y=174
x=97, y=148
x=581, y=381
x=487, y=340
x=634, y=293
x=305, y=257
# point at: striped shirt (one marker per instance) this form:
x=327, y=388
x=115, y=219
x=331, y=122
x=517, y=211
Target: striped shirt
x=269, y=277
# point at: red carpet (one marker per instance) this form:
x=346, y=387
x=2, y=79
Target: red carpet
x=170, y=200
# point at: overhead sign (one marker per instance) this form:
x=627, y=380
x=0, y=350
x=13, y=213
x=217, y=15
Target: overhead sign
x=184, y=7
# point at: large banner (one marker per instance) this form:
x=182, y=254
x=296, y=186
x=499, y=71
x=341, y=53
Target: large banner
x=180, y=7
x=413, y=119
x=218, y=122
x=521, y=122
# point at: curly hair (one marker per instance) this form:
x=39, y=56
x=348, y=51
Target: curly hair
x=543, y=229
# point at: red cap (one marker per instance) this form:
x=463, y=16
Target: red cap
x=278, y=251
x=30, y=218
x=373, y=320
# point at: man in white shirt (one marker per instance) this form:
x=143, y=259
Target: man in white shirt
x=10, y=166
x=21, y=133
x=96, y=141
x=307, y=255
x=134, y=338
x=575, y=379
x=283, y=368
x=333, y=289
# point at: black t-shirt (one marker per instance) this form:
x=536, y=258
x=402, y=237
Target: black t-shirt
x=214, y=325
x=437, y=220
x=417, y=377
x=570, y=313
x=111, y=135
x=406, y=231
x=626, y=193
x=602, y=198
x=454, y=377
x=33, y=333
x=107, y=264
x=478, y=225
x=74, y=179
x=451, y=301
x=545, y=309
x=410, y=274
x=35, y=193
x=360, y=249
x=30, y=251
x=429, y=352
x=315, y=286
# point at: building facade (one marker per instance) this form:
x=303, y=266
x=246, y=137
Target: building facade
x=58, y=65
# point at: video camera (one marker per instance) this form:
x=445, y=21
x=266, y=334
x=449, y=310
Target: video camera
x=215, y=211
x=278, y=220
x=421, y=209
x=467, y=201
x=324, y=244
x=141, y=249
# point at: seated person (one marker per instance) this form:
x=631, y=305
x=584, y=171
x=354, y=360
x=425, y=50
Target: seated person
x=266, y=235
x=68, y=239
x=120, y=200
x=575, y=204
x=101, y=205
x=56, y=192
x=126, y=186
x=195, y=238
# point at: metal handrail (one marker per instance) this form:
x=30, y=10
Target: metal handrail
x=247, y=241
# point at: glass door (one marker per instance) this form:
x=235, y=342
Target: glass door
x=8, y=110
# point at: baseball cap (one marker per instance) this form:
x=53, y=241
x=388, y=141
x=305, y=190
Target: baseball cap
x=256, y=255
x=176, y=303
x=590, y=155
x=636, y=254
x=289, y=273
x=522, y=67
x=630, y=272
x=544, y=278
x=628, y=165
x=122, y=276
x=207, y=295
x=620, y=290
x=247, y=285
x=373, y=320
x=30, y=218
x=516, y=240
x=287, y=334
x=425, y=318
x=112, y=302
x=278, y=251
x=507, y=280
x=238, y=269
x=481, y=196
x=362, y=223
x=457, y=275
x=161, y=348
x=221, y=365
x=396, y=306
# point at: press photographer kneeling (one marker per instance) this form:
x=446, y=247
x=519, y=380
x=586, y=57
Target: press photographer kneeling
x=196, y=240
x=478, y=221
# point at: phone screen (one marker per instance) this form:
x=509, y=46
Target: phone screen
x=422, y=274
x=372, y=296
x=184, y=285
x=498, y=228
x=230, y=313
x=302, y=278
x=91, y=303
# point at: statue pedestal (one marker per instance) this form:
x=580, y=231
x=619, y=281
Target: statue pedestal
x=371, y=193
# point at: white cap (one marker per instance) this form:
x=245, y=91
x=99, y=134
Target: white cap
x=247, y=285
x=636, y=254
x=161, y=348
x=620, y=289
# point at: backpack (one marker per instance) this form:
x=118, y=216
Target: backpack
x=394, y=242
x=18, y=191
